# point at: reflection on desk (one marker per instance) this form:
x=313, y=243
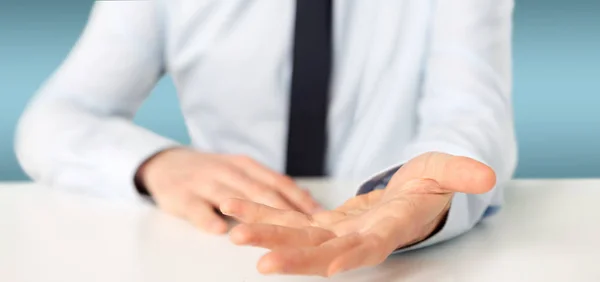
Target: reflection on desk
x=547, y=231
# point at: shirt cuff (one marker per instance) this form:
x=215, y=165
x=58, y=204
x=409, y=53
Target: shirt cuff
x=123, y=161
x=379, y=181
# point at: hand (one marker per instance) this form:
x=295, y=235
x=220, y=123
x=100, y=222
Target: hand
x=366, y=229
x=191, y=185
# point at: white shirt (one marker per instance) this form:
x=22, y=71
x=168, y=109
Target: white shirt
x=411, y=76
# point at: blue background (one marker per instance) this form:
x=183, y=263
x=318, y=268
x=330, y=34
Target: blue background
x=556, y=68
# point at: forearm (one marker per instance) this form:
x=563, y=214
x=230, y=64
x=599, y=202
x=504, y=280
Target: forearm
x=77, y=132
x=62, y=145
x=465, y=107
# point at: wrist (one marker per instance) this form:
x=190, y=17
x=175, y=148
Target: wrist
x=147, y=169
x=429, y=230
x=438, y=223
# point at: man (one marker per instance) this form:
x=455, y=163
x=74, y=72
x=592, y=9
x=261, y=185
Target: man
x=415, y=92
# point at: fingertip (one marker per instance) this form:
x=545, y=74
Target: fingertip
x=487, y=179
x=475, y=176
x=482, y=176
x=229, y=206
x=268, y=264
x=241, y=235
x=334, y=268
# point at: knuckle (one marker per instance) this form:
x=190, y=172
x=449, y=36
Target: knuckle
x=284, y=182
x=229, y=174
x=222, y=171
x=205, y=174
x=208, y=190
x=269, y=194
x=256, y=188
x=179, y=178
x=222, y=197
x=242, y=159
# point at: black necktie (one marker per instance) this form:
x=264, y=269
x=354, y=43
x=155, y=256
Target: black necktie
x=312, y=60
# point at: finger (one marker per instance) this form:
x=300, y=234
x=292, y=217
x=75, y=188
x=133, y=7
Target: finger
x=328, y=218
x=308, y=260
x=383, y=237
x=237, y=180
x=275, y=236
x=453, y=173
x=428, y=188
x=295, y=195
x=216, y=194
x=397, y=225
x=251, y=212
x=172, y=203
x=301, y=198
x=362, y=202
x=202, y=215
x=369, y=253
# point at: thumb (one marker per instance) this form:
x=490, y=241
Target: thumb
x=453, y=173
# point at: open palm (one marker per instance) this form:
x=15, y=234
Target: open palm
x=365, y=229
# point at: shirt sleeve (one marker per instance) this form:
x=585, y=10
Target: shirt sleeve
x=465, y=108
x=77, y=132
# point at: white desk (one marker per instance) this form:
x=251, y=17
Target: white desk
x=547, y=231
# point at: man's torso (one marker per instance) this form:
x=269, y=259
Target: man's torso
x=231, y=64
